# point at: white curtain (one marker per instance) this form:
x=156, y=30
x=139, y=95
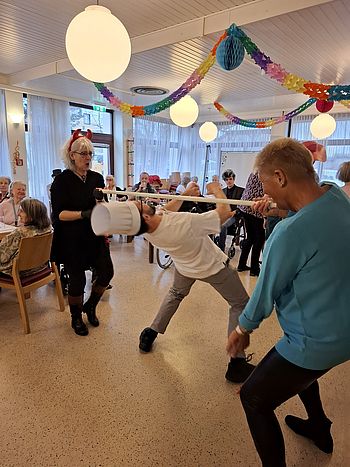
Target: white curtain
x=5, y=164
x=48, y=129
x=162, y=147
x=337, y=145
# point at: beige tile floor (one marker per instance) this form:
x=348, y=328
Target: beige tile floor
x=96, y=401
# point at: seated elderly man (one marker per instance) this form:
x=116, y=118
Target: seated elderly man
x=185, y=236
x=304, y=277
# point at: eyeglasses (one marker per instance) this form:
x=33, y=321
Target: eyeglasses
x=84, y=153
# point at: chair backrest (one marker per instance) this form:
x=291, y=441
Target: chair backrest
x=34, y=251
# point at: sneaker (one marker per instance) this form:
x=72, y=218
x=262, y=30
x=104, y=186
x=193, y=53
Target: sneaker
x=254, y=273
x=239, y=369
x=319, y=433
x=243, y=268
x=109, y=286
x=147, y=337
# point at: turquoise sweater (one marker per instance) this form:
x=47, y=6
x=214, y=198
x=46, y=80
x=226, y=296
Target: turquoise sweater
x=305, y=276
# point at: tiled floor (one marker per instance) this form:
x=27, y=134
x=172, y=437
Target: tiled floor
x=96, y=401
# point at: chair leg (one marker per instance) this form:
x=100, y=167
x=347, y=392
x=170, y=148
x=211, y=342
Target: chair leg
x=23, y=310
x=58, y=286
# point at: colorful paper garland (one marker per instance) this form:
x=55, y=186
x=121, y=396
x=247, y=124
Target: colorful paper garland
x=316, y=91
x=264, y=123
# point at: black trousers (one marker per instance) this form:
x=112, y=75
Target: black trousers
x=274, y=381
x=101, y=262
x=254, y=241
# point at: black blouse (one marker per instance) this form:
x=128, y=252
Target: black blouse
x=74, y=241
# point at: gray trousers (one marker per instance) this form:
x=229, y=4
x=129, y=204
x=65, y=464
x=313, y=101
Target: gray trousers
x=226, y=282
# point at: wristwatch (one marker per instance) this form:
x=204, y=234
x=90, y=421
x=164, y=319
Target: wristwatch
x=242, y=331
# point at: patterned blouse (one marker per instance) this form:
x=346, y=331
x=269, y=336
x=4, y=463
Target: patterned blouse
x=253, y=189
x=9, y=247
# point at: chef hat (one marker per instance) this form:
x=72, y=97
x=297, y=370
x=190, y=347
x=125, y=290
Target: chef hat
x=116, y=218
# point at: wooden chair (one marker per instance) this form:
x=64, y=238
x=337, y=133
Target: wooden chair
x=33, y=252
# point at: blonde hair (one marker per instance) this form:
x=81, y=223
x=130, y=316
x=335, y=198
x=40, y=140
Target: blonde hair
x=5, y=179
x=286, y=154
x=343, y=173
x=79, y=145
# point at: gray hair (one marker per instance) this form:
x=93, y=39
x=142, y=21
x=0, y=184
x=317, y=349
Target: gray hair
x=79, y=145
x=36, y=213
x=343, y=173
x=5, y=179
x=16, y=182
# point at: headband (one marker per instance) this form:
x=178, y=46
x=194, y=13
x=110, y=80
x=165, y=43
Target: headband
x=76, y=135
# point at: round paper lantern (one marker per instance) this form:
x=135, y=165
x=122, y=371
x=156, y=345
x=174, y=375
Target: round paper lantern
x=322, y=126
x=208, y=131
x=230, y=53
x=324, y=106
x=185, y=112
x=98, y=45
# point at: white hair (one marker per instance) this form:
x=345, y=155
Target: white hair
x=79, y=145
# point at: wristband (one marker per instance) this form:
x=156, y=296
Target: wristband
x=242, y=331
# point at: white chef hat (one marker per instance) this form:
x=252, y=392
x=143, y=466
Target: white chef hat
x=116, y=218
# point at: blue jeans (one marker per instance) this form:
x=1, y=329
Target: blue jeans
x=223, y=233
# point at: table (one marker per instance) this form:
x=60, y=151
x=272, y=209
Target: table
x=5, y=230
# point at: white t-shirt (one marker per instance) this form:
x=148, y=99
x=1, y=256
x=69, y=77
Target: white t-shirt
x=185, y=237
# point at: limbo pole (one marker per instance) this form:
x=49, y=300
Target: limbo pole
x=196, y=199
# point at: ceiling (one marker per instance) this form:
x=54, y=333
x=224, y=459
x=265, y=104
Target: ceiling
x=170, y=39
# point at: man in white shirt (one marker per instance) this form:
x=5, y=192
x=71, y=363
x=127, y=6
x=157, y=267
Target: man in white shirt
x=185, y=236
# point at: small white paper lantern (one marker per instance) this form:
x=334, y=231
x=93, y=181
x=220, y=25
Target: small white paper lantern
x=208, y=132
x=323, y=126
x=185, y=112
x=98, y=45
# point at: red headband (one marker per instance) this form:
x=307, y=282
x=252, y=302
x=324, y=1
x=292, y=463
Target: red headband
x=76, y=135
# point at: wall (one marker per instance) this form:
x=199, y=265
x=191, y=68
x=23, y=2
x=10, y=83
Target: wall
x=16, y=134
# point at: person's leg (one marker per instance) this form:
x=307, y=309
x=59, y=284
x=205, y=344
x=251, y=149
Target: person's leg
x=317, y=427
x=246, y=244
x=258, y=233
x=229, y=286
x=76, y=284
x=177, y=292
x=103, y=269
x=223, y=233
x=274, y=381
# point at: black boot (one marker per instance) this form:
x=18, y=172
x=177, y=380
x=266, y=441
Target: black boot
x=319, y=432
x=77, y=321
x=90, y=306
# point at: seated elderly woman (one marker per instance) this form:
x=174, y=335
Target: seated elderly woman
x=4, y=188
x=34, y=221
x=9, y=208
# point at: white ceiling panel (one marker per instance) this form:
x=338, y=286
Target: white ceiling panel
x=312, y=42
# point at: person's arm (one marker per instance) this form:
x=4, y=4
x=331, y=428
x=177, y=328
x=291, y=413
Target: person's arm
x=9, y=246
x=279, y=269
x=263, y=206
x=175, y=204
x=223, y=210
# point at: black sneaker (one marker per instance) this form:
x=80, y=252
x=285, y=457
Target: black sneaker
x=243, y=268
x=319, y=433
x=147, y=337
x=239, y=369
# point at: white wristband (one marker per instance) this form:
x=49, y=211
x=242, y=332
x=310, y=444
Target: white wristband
x=241, y=331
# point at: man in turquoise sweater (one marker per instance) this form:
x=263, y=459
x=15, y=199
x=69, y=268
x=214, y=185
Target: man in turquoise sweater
x=305, y=278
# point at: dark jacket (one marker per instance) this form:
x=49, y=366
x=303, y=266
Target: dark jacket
x=233, y=193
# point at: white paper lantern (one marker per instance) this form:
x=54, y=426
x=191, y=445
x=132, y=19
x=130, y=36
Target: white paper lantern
x=208, y=131
x=98, y=45
x=322, y=126
x=185, y=112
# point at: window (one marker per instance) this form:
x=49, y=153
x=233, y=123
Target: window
x=101, y=124
x=337, y=145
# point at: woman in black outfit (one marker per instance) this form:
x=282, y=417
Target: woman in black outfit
x=74, y=243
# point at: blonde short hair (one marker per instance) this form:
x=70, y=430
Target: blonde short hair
x=343, y=173
x=79, y=145
x=288, y=155
x=16, y=182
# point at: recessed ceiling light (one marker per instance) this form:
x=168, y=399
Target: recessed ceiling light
x=149, y=90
